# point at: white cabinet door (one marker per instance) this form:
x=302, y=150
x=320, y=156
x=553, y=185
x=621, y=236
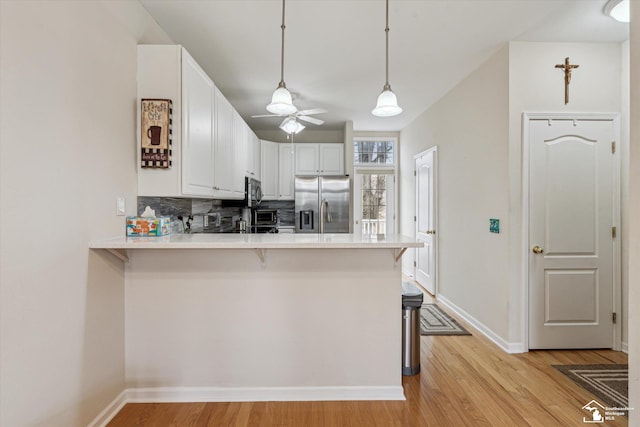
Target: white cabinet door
x=285, y=172
x=253, y=156
x=197, y=129
x=319, y=159
x=223, y=146
x=257, y=157
x=307, y=159
x=238, y=170
x=270, y=155
x=331, y=160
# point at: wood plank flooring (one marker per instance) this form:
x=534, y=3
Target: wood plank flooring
x=464, y=381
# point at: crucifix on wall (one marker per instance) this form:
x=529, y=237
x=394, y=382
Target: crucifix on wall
x=567, y=67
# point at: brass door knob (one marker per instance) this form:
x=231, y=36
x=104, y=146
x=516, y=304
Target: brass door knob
x=537, y=250
x=430, y=232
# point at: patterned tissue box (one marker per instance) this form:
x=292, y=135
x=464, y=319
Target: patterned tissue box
x=156, y=226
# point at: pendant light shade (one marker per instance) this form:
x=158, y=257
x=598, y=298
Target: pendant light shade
x=290, y=125
x=387, y=104
x=281, y=102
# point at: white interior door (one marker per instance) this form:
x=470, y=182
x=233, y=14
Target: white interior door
x=571, y=215
x=426, y=220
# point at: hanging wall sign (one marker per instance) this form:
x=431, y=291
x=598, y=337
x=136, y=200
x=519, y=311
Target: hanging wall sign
x=156, y=133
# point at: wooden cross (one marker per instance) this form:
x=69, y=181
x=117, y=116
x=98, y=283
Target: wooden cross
x=567, y=77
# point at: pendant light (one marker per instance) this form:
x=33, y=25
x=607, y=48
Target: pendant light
x=281, y=102
x=290, y=125
x=387, y=105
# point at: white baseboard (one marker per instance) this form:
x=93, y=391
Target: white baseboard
x=625, y=347
x=262, y=394
x=508, y=347
x=110, y=411
x=244, y=394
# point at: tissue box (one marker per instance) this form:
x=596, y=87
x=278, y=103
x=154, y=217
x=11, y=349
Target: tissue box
x=156, y=226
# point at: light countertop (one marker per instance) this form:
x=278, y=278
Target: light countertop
x=258, y=241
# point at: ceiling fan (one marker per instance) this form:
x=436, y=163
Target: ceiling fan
x=291, y=125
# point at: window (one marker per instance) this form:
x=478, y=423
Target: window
x=374, y=185
x=373, y=151
x=376, y=191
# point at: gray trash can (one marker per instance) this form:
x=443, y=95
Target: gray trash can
x=411, y=303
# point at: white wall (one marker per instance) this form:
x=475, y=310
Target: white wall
x=68, y=84
x=470, y=127
x=478, y=127
x=634, y=222
x=535, y=85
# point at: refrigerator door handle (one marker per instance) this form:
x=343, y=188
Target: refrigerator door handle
x=328, y=211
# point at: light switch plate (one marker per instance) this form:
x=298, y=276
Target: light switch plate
x=494, y=225
x=120, y=206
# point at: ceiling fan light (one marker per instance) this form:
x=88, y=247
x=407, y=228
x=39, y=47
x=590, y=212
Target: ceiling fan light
x=618, y=10
x=291, y=126
x=281, y=102
x=387, y=105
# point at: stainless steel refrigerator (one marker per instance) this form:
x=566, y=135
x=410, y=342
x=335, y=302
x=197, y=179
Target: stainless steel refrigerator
x=322, y=204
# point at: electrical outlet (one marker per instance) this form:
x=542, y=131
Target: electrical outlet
x=120, y=206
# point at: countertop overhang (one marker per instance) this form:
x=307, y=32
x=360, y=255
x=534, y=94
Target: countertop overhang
x=258, y=241
x=119, y=246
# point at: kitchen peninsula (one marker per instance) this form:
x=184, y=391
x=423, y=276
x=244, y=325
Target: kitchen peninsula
x=246, y=317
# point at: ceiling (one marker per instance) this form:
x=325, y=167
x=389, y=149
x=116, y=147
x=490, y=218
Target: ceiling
x=335, y=49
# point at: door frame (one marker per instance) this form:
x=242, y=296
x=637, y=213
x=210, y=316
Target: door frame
x=527, y=117
x=435, y=237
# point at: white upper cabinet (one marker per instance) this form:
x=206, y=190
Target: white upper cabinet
x=307, y=159
x=211, y=144
x=253, y=156
x=319, y=159
x=331, y=159
x=240, y=137
x=223, y=147
x=270, y=154
x=197, y=129
x=285, y=172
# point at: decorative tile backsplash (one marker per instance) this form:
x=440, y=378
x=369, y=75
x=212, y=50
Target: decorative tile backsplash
x=198, y=208
x=285, y=210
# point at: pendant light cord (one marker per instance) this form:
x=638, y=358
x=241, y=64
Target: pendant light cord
x=386, y=31
x=281, y=84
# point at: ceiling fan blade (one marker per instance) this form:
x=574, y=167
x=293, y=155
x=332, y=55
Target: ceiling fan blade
x=312, y=111
x=311, y=120
x=267, y=115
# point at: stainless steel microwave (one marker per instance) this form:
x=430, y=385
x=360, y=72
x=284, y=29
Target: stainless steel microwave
x=264, y=217
x=253, y=192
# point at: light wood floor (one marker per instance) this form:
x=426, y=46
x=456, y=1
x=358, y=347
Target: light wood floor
x=465, y=381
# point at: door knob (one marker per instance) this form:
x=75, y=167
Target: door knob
x=537, y=250
x=430, y=232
